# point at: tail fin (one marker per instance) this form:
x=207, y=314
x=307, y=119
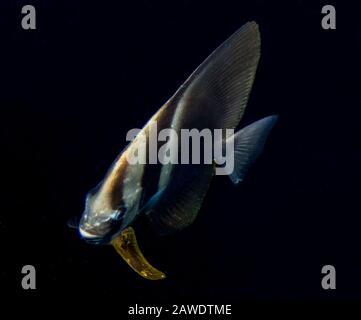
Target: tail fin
x=248, y=145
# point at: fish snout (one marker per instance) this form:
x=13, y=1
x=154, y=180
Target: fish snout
x=98, y=232
x=90, y=237
x=86, y=234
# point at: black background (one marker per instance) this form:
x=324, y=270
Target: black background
x=92, y=70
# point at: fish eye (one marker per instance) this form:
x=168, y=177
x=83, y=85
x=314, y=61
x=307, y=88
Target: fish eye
x=119, y=213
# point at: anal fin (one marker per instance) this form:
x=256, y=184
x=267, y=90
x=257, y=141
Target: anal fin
x=177, y=206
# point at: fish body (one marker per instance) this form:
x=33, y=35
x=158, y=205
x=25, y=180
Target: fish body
x=170, y=195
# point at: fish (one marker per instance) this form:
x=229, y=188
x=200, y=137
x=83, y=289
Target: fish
x=170, y=195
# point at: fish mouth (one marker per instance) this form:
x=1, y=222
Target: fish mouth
x=86, y=234
x=90, y=237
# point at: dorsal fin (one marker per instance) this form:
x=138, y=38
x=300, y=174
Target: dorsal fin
x=216, y=94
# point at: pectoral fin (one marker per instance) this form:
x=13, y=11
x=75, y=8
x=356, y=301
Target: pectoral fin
x=127, y=246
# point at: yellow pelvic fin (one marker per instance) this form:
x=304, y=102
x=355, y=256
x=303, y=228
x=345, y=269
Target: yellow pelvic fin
x=127, y=246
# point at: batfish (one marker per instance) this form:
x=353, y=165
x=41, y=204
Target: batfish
x=170, y=195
